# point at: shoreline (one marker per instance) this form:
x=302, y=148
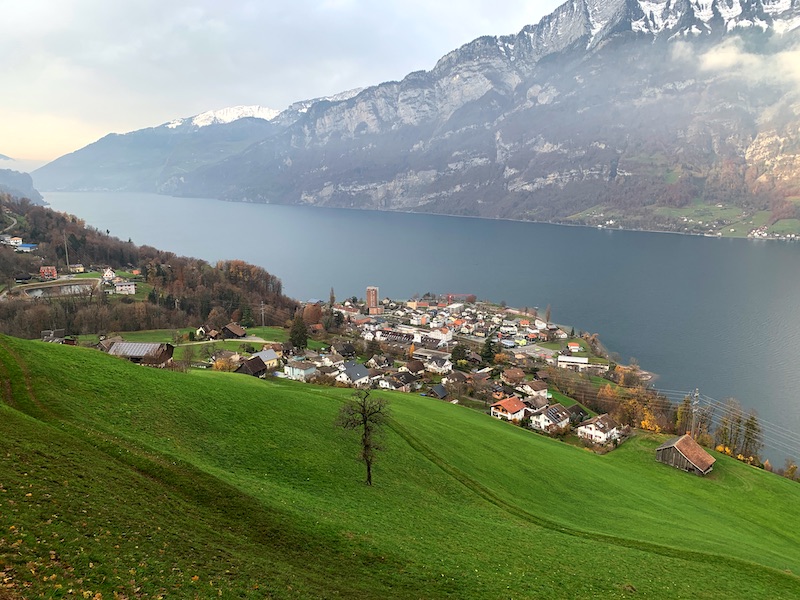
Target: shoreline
x=436, y=214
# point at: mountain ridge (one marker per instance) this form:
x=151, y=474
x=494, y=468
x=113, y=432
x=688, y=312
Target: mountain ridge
x=596, y=104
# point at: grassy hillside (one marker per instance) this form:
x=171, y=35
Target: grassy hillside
x=122, y=479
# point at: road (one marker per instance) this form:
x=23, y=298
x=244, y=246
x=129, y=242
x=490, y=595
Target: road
x=14, y=224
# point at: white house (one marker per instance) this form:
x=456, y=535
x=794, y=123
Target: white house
x=443, y=334
x=439, y=365
x=332, y=360
x=354, y=374
x=510, y=409
x=125, y=287
x=576, y=363
x=581, y=364
x=300, y=370
x=108, y=275
x=535, y=389
x=550, y=418
x=599, y=430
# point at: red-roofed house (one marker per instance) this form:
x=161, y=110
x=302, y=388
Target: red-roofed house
x=510, y=409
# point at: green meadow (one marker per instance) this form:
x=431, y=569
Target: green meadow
x=126, y=481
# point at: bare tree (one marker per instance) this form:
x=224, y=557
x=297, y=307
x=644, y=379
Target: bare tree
x=367, y=415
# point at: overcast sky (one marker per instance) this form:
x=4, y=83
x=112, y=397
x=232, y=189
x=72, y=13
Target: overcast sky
x=74, y=70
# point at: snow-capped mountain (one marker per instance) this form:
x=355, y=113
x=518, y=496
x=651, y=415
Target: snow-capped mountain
x=627, y=103
x=226, y=115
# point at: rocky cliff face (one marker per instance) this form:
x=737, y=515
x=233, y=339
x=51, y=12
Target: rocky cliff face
x=620, y=103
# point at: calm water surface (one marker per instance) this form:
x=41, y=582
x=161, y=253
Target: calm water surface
x=720, y=315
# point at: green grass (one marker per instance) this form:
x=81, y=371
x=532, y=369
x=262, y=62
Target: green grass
x=140, y=480
x=564, y=400
x=281, y=335
x=746, y=225
x=271, y=334
x=785, y=226
x=701, y=211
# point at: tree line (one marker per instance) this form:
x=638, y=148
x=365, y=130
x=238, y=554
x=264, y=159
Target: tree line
x=727, y=427
x=183, y=291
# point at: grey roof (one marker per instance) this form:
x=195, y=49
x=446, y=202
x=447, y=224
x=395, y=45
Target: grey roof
x=135, y=349
x=603, y=423
x=439, y=391
x=355, y=371
x=302, y=365
x=266, y=355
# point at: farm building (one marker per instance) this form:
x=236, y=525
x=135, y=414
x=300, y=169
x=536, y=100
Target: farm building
x=685, y=454
x=233, y=331
x=145, y=353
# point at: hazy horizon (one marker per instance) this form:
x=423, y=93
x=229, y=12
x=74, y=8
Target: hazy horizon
x=76, y=71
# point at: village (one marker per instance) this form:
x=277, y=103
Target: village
x=488, y=357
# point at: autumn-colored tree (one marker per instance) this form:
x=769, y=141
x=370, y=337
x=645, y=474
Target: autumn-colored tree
x=790, y=469
x=649, y=421
x=217, y=318
x=312, y=313
x=224, y=364
x=607, y=397
x=683, y=418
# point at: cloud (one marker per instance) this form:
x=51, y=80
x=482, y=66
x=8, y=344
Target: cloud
x=732, y=59
x=119, y=66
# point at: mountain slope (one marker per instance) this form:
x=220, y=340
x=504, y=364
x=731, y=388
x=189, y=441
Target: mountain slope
x=618, y=103
x=19, y=185
x=187, y=484
x=141, y=160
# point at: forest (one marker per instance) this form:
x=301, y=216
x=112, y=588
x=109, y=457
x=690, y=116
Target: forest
x=181, y=291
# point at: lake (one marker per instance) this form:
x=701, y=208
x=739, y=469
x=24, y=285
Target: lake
x=720, y=315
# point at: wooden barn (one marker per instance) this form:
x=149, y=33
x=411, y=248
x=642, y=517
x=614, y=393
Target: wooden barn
x=144, y=353
x=685, y=454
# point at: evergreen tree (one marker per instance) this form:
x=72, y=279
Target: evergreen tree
x=751, y=444
x=373, y=348
x=247, y=317
x=298, y=335
x=458, y=353
x=487, y=353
